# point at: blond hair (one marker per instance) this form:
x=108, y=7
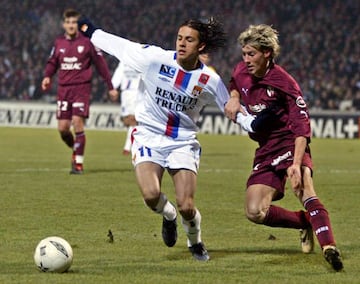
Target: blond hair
x=262, y=37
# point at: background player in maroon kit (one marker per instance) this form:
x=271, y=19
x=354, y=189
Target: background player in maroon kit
x=283, y=145
x=73, y=55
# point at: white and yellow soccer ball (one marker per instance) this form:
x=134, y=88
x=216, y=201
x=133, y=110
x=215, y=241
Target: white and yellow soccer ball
x=53, y=254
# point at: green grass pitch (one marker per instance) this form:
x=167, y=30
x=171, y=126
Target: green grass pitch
x=39, y=198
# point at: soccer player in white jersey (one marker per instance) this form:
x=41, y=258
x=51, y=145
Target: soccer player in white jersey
x=176, y=88
x=128, y=79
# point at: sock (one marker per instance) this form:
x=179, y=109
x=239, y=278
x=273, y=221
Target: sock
x=280, y=217
x=165, y=208
x=79, y=147
x=68, y=138
x=192, y=229
x=320, y=221
x=127, y=146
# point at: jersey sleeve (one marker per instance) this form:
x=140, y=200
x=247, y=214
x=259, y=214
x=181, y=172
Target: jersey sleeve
x=299, y=121
x=131, y=53
x=101, y=66
x=117, y=76
x=222, y=95
x=52, y=63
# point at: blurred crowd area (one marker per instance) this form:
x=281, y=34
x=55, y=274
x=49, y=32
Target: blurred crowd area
x=320, y=40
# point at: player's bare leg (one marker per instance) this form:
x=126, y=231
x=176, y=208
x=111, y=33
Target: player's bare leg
x=149, y=176
x=260, y=210
x=185, y=186
x=65, y=132
x=64, y=128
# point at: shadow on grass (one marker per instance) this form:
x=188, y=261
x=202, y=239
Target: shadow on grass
x=225, y=252
x=274, y=251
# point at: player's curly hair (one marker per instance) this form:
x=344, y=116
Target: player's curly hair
x=262, y=37
x=211, y=32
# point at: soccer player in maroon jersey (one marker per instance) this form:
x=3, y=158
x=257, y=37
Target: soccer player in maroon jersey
x=283, y=152
x=72, y=56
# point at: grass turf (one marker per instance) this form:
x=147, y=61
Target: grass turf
x=39, y=198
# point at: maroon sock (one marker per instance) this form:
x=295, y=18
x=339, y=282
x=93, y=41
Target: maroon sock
x=280, y=217
x=68, y=138
x=79, y=145
x=320, y=221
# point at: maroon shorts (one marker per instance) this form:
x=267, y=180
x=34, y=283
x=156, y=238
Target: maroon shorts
x=272, y=172
x=73, y=100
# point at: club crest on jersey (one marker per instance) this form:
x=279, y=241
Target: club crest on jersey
x=196, y=91
x=167, y=71
x=300, y=102
x=80, y=48
x=204, y=78
x=270, y=91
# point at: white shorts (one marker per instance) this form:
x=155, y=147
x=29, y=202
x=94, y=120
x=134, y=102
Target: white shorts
x=170, y=155
x=128, y=103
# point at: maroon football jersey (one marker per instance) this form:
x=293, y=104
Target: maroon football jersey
x=277, y=90
x=73, y=58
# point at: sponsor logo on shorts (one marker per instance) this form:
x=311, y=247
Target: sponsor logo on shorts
x=283, y=157
x=78, y=104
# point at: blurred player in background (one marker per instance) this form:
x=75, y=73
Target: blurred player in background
x=73, y=55
x=176, y=88
x=129, y=81
x=283, y=151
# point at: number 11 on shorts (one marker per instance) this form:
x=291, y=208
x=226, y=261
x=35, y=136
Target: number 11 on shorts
x=145, y=151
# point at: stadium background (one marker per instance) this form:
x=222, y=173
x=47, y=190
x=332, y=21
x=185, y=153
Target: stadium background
x=319, y=40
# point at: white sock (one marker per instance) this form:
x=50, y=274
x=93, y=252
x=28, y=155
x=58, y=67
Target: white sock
x=127, y=145
x=79, y=159
x=192, y=229
x=165, y=208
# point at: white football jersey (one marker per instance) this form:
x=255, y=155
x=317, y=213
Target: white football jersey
x=173, y=97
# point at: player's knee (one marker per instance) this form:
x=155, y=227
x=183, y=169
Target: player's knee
x=152, y=200
x=186, y=209
x=254, y=213
x=64, y=133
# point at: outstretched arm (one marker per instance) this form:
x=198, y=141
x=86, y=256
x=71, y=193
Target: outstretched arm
x=129, y=52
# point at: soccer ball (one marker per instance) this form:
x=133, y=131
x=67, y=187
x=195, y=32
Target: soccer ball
x=53, y=254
